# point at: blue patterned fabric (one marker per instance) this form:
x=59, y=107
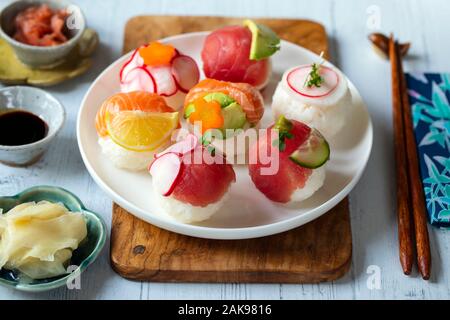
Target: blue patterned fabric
x=429, y=95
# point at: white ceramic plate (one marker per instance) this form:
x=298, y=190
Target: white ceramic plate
x=247, y=213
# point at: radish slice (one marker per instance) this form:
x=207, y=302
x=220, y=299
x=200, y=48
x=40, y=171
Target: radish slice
x=187, y=145
x=296, y=80
x=134, y=62
x=164, y=80
x=138, y=79
x=185, y=72
x=166, y=170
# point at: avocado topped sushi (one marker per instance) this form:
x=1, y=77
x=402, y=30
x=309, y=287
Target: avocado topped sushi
x=240, y=53
x=223, y=112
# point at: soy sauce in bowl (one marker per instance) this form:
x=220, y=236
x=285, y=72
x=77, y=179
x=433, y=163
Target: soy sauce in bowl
x=19, y=127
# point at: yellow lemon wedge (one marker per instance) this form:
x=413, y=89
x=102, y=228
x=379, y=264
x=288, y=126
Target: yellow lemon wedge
x=141, y=131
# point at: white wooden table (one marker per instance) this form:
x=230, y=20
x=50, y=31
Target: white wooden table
x=424, y=22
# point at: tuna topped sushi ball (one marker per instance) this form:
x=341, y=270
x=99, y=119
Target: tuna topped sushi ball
x=133, y=126
x=316, y=95
x=302, y=153
x=191, y=181
x=240, y=53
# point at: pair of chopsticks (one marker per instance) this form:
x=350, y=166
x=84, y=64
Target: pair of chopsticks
x=411, y=209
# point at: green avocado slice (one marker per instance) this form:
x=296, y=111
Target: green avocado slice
x=223, y=99
x=234, y=117
x=188, y=110
x=265, y=41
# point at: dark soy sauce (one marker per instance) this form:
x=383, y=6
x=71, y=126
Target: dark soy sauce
x=18, y=127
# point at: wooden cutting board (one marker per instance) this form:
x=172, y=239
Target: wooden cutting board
x=316, y=252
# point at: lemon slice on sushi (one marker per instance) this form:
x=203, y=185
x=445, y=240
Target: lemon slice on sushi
x=141, y=131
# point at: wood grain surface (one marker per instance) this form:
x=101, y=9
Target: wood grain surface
x=143, y=29
x=319, y=251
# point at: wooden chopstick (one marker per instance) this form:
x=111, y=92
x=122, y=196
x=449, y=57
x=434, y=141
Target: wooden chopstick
x=415, y=182
x=403, y=200
x=409, y=185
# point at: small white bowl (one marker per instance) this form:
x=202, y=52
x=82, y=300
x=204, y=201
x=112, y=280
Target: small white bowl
x=39, y=103
x=35, y=56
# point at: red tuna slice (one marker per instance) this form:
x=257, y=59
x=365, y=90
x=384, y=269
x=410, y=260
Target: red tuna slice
x=138, y=79
x=290, y=176
x=186, y=72
x=226, y=54
x=203, y=184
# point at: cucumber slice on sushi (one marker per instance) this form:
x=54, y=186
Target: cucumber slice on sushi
x=313, y=153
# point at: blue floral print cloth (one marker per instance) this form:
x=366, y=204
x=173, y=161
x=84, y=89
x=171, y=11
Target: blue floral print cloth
x=429, y=95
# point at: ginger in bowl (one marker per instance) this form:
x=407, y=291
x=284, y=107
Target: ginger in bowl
x=42, y=33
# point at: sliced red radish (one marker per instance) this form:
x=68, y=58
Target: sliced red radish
x=126, y=64
x=182, y=74
x=185, y=72
x=166, y=171
x=132, y=63
x=189, y=143
x=164, y=81
x=297, y=79
x=177, y=53
x=138, y=79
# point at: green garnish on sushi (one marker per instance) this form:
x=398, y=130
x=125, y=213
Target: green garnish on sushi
x=265, y=41
x=314, y=78
x=284, y=126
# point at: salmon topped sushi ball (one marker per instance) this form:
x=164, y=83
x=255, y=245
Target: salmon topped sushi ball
x=133, y=126
x=224, y=111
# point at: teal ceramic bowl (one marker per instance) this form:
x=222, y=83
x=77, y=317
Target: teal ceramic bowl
x=82, y=257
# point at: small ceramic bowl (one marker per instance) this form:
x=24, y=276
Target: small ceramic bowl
x=39, y=103
x=82, y=257
x=35, y=56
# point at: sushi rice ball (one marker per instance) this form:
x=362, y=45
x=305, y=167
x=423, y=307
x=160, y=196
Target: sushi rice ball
x=240, y=53
x=316, y=95
x=133, y=126
x=191, y=182
x=226, y=112
x=161, y=69
x=123, y=158
x=302, y=156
